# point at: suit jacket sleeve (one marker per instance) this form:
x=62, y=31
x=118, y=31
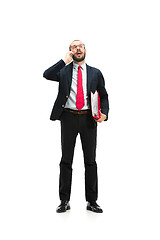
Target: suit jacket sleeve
x=103, y=95
x=52, y=73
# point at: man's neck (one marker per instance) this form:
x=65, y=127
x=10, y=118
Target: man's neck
x=79, y=63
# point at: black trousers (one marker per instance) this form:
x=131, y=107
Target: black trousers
x=72, y=125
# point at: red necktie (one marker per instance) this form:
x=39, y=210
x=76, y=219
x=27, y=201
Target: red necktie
x=80, y=94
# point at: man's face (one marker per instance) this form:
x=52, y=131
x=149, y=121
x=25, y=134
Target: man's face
x=79, y=52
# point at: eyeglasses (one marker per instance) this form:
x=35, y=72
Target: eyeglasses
x=75, y=46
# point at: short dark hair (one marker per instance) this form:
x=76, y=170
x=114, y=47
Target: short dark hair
x=74, y=41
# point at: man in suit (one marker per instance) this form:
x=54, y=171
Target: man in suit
x=73, y=108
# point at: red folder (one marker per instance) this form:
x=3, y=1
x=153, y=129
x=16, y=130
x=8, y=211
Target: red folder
x=95, y=105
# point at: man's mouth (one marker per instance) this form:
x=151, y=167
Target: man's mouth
x=78, y=54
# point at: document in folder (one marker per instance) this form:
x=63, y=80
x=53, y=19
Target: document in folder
x=95, y=105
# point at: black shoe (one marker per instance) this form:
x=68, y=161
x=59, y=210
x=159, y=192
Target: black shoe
x=63, y=207
x=94, y=207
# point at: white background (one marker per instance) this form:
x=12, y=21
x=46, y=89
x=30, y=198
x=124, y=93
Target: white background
x=122, y=40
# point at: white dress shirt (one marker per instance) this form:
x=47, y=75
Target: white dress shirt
x=71, y=102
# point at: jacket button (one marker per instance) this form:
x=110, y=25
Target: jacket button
x=63, y=106
x=66, y=96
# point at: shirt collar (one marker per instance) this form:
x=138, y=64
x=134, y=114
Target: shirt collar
x=75, y=65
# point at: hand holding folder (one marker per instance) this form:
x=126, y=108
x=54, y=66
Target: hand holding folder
x=95, y=105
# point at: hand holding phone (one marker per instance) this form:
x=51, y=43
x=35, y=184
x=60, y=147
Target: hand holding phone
x=68, y=57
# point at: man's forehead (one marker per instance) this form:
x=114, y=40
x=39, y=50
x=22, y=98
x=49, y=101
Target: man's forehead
x=76, y=43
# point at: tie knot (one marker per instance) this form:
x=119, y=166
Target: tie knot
x=79, y=67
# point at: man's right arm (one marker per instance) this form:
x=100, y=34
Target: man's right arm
x=52, y=72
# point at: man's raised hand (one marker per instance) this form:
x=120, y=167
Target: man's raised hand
x=68, y=57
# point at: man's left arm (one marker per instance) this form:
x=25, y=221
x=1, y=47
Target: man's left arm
x=104, y=102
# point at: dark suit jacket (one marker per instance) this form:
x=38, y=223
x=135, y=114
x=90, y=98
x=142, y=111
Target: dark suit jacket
x=63, y=74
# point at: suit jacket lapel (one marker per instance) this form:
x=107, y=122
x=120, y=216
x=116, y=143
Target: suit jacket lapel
x=69, y=70
x=88, y=79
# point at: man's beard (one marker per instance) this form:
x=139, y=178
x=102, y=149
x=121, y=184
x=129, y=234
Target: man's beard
x=79, y=59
